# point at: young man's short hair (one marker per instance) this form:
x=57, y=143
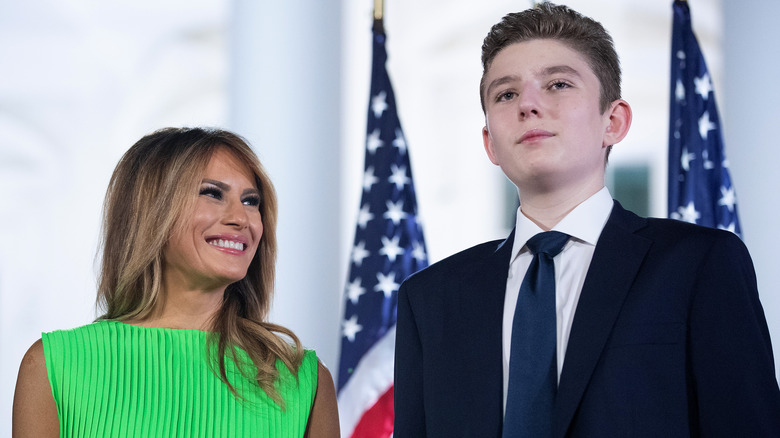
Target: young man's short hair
x=548, y=21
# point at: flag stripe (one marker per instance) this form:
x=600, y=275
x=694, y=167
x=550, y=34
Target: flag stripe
x=372, y=378
x=378, y=420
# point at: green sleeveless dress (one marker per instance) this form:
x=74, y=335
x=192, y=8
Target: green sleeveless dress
x=111, y=379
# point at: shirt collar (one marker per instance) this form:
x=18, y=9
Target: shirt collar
x=584, y=223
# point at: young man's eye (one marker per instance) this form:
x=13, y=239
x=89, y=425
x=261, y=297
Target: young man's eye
x=508, y=95
x=211, y=192
x=252, y=201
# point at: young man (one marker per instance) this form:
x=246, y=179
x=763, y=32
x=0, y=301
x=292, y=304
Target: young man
x=657, y=329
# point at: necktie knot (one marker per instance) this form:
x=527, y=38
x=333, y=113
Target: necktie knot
x=548, y=242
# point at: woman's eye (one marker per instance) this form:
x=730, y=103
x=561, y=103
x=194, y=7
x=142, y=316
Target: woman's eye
x=211, y=192
x=253, y=201
x=560, y=85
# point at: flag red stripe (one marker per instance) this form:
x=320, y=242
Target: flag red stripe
x=377, y=421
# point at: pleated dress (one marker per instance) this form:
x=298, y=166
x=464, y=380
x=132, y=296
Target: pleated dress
x=111, y=379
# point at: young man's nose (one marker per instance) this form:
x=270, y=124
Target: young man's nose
x=528, y=104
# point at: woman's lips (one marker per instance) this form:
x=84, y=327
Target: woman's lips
x=229, y=242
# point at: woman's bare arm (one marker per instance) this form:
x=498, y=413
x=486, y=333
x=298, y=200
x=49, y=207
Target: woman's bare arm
x=324, y=418
x=34, y=410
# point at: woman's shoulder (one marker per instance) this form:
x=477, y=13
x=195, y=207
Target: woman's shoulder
x=74, y=335
x=324, y=419
x=310, y=356
x=307, y=370
x=34, y=410
x=33, y=359
x=90, y=327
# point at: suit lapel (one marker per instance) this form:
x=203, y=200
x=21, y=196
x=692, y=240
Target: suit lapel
x=616, y=261
x=488, y=329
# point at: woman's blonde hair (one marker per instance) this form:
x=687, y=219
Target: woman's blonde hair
x=151, y=192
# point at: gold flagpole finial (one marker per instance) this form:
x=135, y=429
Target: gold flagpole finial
x=379, y=10
x=379, y=15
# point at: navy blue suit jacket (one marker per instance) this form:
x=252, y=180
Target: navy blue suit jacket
x=669, y=340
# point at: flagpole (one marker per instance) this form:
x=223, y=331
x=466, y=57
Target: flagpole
x=379, y=14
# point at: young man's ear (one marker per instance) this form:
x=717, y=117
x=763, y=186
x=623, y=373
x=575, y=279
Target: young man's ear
x=618, y=120
x=489, y=145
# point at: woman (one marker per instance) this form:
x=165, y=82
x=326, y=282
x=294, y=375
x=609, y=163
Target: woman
x=183, y=348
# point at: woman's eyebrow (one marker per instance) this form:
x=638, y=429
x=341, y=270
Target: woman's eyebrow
x=219, y=184
x=226, y=187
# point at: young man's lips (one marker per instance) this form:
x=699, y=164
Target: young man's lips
x=535, y=134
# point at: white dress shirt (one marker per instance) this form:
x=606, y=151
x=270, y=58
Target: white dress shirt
x=584, y=224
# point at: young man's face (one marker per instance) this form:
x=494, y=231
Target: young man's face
x=544, y=127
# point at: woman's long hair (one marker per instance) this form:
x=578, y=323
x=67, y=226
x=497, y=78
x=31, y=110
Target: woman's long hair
x=152, y=190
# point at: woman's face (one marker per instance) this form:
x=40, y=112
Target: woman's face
x=221, y=235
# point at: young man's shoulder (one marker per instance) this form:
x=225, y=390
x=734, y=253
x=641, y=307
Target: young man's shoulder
x=685, y=241
x=463, y=263
x=671, y=230
x=678, y=230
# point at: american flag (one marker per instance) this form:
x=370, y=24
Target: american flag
x=388, y=247
x=700, y=189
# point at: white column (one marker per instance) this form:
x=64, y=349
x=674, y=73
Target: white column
x=750, y=128
x=285, y=99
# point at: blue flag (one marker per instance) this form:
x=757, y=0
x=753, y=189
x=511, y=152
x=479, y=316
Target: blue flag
x=388, y=247
x=700, y=189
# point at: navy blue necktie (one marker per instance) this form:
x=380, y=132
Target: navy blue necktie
x=533, y=368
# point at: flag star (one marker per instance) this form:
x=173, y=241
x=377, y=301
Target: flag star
x=399, y=141
x=395, y=211
x=709, y=165
x=351, y=328
x=732, y=227
x=364, y=216
x=386, y=284
x=399, y=177
x=379, y=104
x=359, y=252
x=686, y=159
x=390, y=248
x=728, y=198
x=705, y=125
x=703, y=86
x=688, y=213
x=369, y=179
x=355, y=290
x=373, y=142
x=679, y=91
x=419, y=252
